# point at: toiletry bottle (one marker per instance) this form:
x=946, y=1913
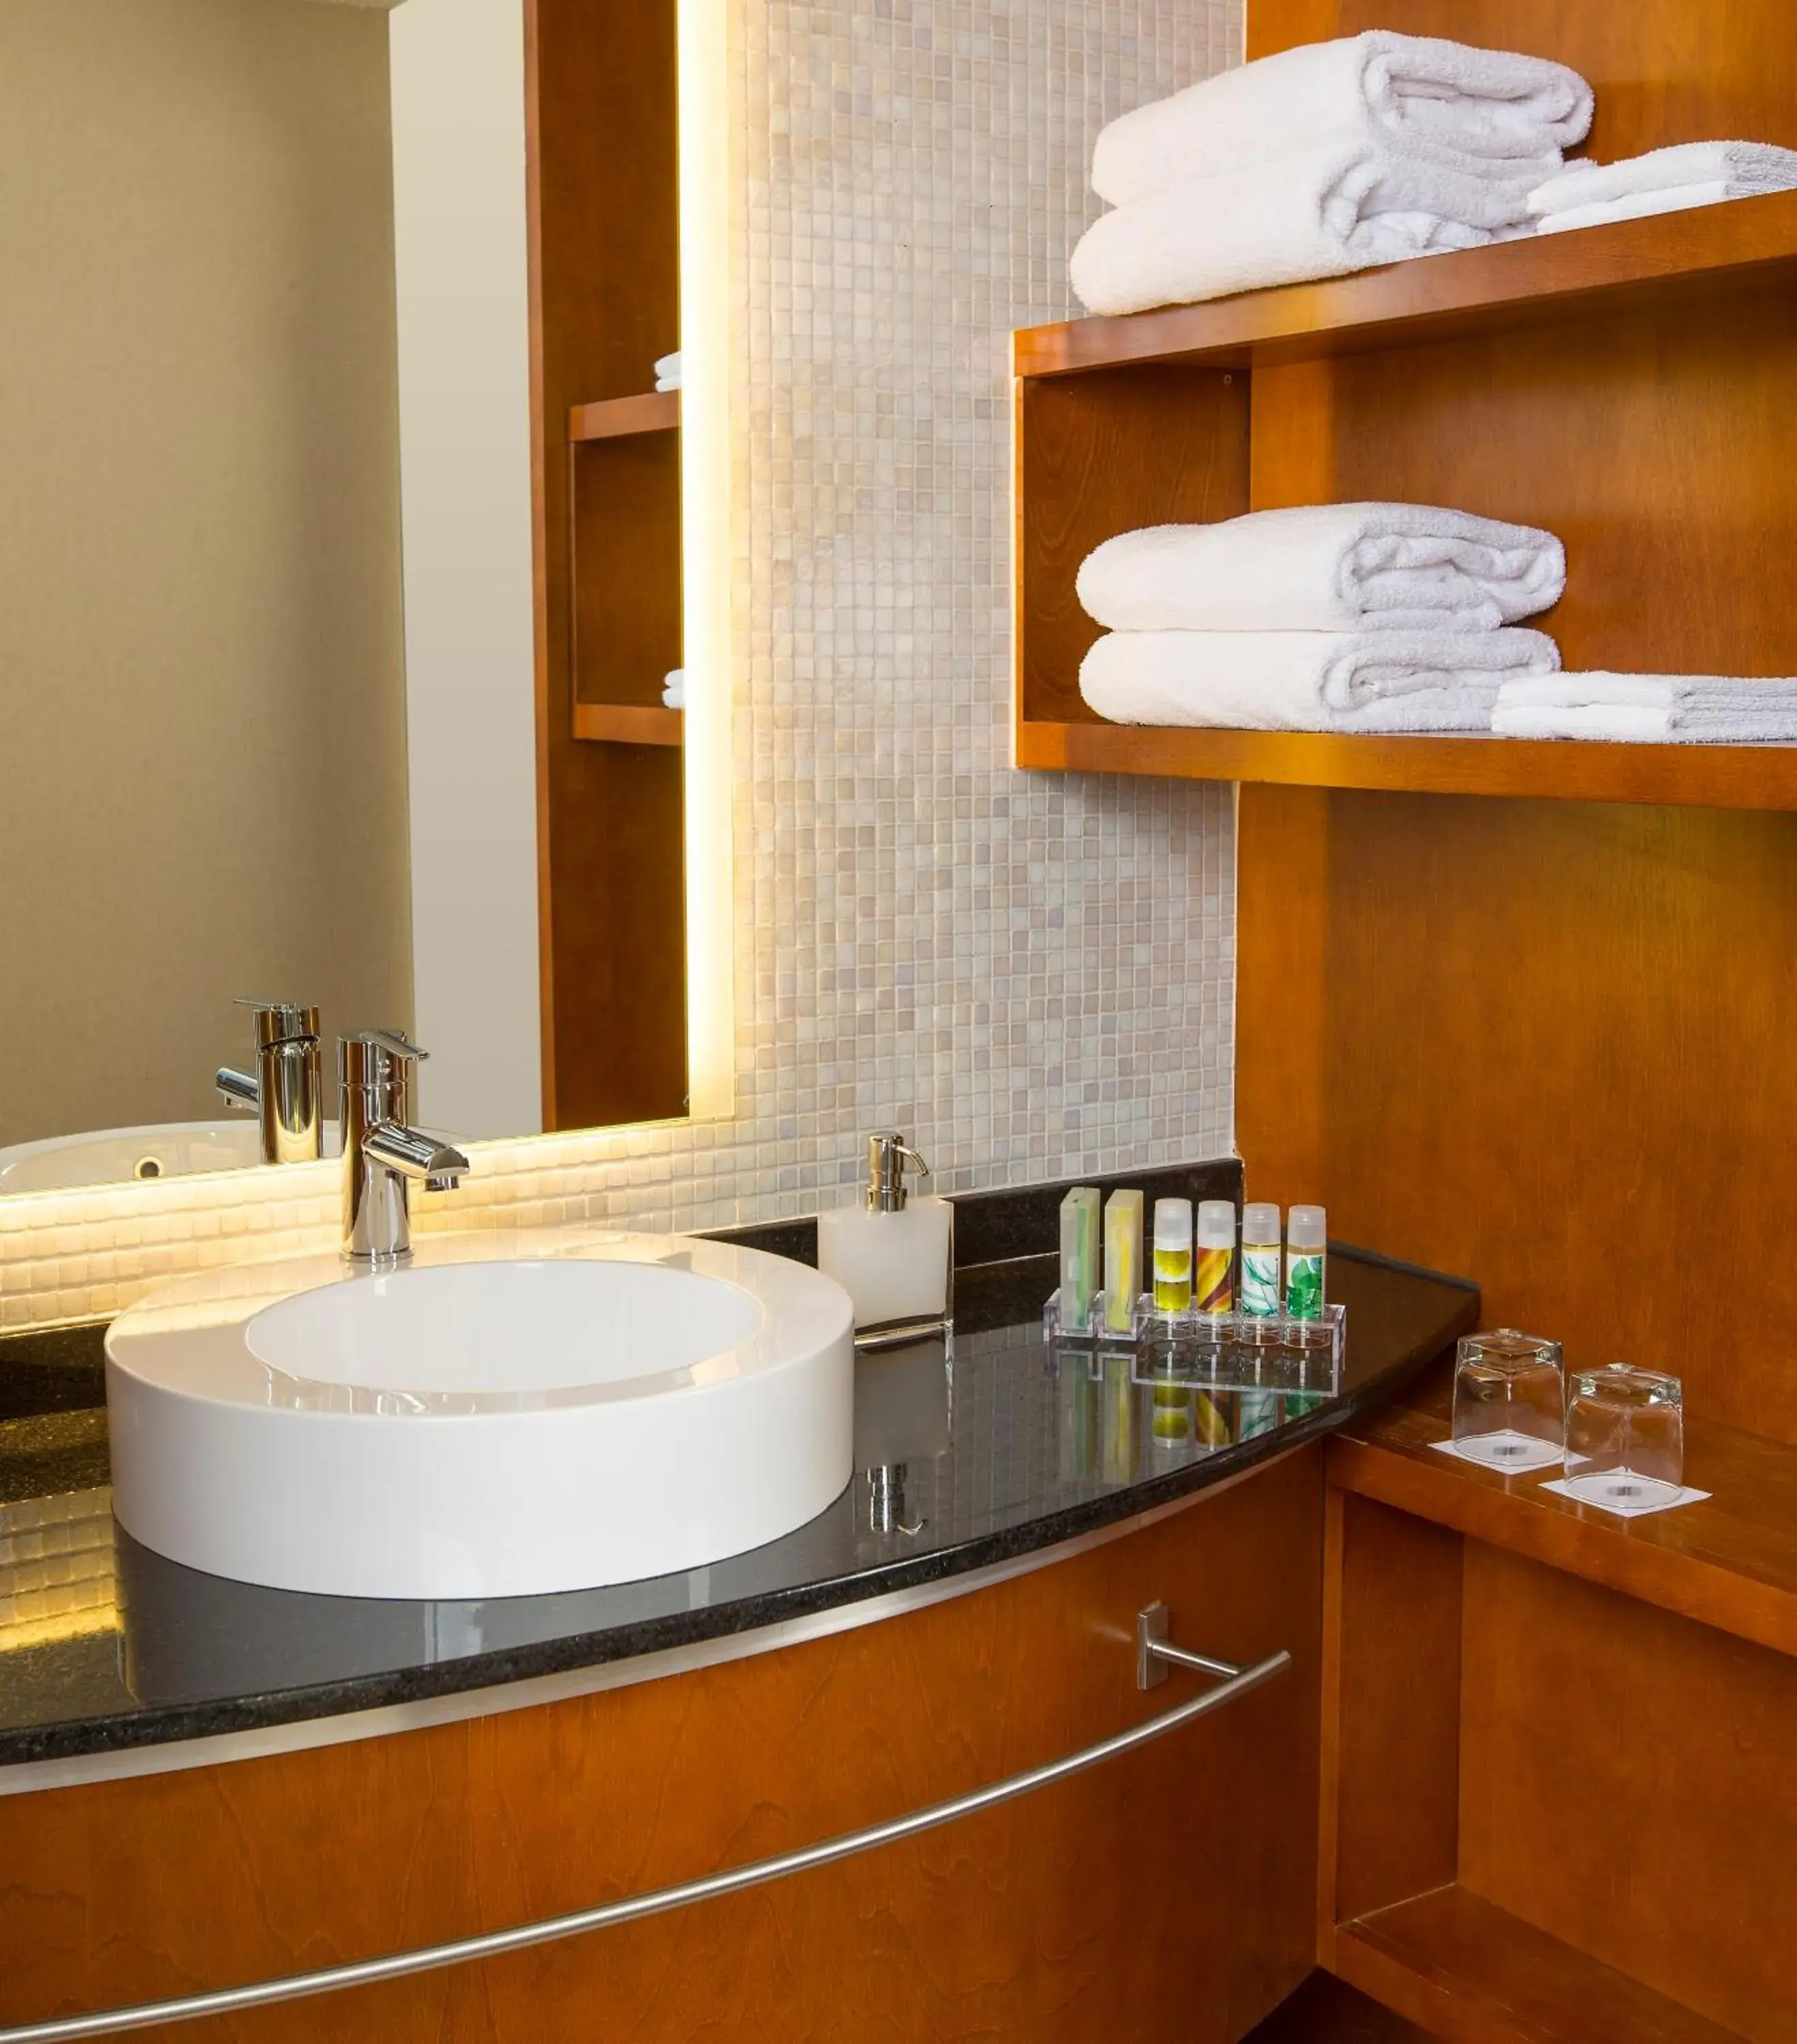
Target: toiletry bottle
x=1079, y=1258
x=1122, y=1260
x=892, y=1254
x=1306, y=1247
x=1216, y=1280
x=1172, y=1255
x=1259, y=1259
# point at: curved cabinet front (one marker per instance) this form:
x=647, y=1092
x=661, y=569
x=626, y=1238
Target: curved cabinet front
x=1169, y=1893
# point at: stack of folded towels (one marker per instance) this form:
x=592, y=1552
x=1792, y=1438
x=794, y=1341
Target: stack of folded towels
x=1324, y=158
x=1713, y=709
x=1587, y=193
x=1382, y=618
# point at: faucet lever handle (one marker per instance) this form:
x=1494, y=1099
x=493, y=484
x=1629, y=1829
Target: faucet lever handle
x=395, y=1043
x=278, y=1022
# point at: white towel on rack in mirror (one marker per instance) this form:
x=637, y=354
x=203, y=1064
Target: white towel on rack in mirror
x=1325, y=568
x=1715, y=709
x=1309, y=680
x=1318, y=213
x=1466, y=106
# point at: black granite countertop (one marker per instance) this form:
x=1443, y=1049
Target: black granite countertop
x=996, y=1453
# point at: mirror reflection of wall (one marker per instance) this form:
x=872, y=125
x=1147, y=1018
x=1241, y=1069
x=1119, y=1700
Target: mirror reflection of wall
x=342, y=562
x=201, y=659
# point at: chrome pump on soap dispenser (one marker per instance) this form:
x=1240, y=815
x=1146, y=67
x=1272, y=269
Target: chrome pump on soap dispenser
x=893, y=1254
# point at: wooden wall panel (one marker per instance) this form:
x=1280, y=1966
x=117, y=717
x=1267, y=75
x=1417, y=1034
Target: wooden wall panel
x=1168, y=1896
x=1665, y=70
x=1626, y=1784
x=1391, y=1709
x=1543, y=1043
x=1098, y=455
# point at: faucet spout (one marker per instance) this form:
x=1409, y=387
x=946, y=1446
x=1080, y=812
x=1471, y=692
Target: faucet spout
x=384, y=1155
x=238, y=1089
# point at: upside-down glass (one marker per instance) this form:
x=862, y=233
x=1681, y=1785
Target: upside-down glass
x=1508, y=1400
x=1625, y=1436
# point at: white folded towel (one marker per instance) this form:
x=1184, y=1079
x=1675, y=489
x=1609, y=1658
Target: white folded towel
x=1413, y=92
x=1309, y=680
x=1320, y=214
x=1325, y=568
x=1588, y=194
x=667, y=371
x=1715, y=709
x=673, y=689
x=1743, y=169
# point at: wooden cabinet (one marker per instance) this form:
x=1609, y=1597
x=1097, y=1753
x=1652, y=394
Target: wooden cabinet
x=1169, y=1895
x=1557, y=1801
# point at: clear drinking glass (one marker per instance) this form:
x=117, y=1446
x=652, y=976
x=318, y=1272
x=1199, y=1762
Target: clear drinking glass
x=1509, y=1399
x=1625, y=1436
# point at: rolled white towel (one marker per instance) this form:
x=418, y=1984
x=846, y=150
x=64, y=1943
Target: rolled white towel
x=1309, y=680
x=673, y=689
x=1715, y=709
x=1325, y=568
x=1430, y=96
x=667, y=371
x=1320, y=214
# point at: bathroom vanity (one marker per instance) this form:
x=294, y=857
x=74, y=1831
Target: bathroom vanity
x=349, y=1778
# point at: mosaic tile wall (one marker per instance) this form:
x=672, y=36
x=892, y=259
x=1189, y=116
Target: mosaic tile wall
x=1032, y=974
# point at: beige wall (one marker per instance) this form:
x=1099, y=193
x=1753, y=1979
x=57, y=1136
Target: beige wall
x=202, y=775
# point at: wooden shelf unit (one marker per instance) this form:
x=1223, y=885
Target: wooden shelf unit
x=1731, y=1564
x=628, y=724
x=621, y=418
x=1554, y=1791
x=1200, y=412
x=603, y=186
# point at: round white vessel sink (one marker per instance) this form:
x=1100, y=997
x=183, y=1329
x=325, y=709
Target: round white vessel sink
x=507, y=1416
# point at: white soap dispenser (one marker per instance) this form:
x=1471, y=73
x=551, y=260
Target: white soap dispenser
x=891, y=1254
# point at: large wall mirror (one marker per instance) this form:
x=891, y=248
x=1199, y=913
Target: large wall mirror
x=343, y=545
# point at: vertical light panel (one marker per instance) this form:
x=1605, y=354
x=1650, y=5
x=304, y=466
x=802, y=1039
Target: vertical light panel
x=706, y=501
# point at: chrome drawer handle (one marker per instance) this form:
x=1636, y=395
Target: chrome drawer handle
x=493, y=1944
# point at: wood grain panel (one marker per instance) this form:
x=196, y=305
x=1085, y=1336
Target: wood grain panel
x=1166, y=1897
x=1626, y=1784
x=625, y=568
x=1471, y=1973
x=603, y=216
x=1391, y=1725
x=1664, y=71
x=1098, y=455
x=1552, y=1055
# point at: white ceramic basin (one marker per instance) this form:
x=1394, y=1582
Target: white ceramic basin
x=157, y=1150
x=509, y=1415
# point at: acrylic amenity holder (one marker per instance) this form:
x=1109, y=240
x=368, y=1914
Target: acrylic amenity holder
x=1231, y=1351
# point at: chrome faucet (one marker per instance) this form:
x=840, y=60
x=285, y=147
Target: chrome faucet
x=287, y=1092
x=383, y=1155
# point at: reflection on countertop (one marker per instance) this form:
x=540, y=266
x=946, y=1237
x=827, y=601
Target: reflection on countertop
x=966, y=1461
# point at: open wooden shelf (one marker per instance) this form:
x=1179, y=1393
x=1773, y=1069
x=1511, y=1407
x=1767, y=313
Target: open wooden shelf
x=1470, y=1972
x=1729, y=1562
x=1710, y=251
x=619, y=418
x=628, y=724
x=1722, y=776
x=1200, y=412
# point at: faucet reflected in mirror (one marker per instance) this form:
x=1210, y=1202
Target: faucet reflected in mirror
x=286, y=1092
x=384, y=1156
